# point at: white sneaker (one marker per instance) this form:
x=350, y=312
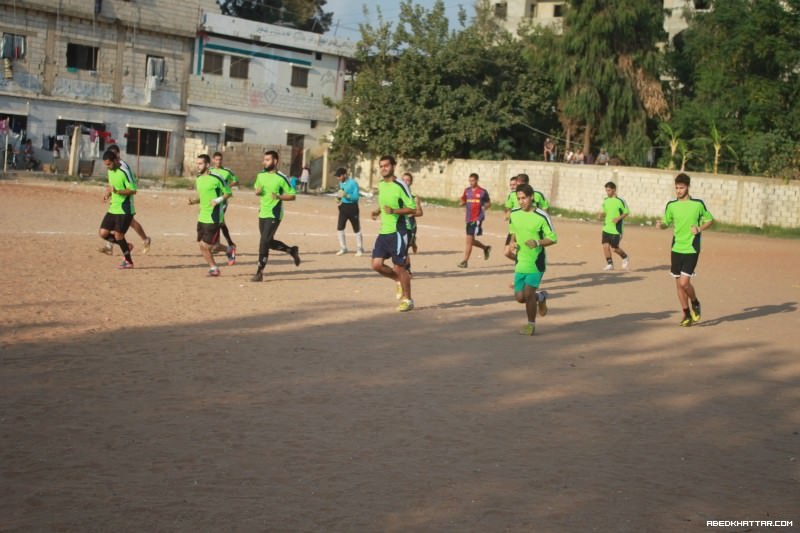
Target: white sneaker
x=626, y=263
x=609, y=267
x=359, y=253
x=341, y=252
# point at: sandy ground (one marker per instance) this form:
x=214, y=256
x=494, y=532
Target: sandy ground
x=158, y=399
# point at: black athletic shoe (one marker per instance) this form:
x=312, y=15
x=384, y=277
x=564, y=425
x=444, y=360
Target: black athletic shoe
x=258, y=276
x=294, y=251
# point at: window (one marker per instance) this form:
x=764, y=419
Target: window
x=299, y=77
x=234, y=135
x=66, y=127
x=558, y=10
x=239, y=67
x=15, y=123
x=212, y=63
x=147, y=142
x=501, y=11
x=702, y=5
x=155, y=67
x=81, y=57
x=12, y=46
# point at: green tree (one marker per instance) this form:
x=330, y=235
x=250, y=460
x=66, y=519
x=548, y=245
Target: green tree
x=428, y=92
x=305, y=15
x=738, y=66
x=606, y=67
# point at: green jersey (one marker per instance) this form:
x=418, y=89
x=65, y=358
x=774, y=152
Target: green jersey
x=512, y=202
x=527, y=225
x=120, y=204
x=396, y=195
x=684, y=214
x=272, y=182
x=226, y=174
x=613, y=207
x=540, y=201
x=210, y=186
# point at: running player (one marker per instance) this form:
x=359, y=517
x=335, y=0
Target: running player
x=394, y=205
x=615, y=210
x=408, y=179
x=212, y=192
x=231, y=180
x=476, y=198
x=120, y=192
x=274, y=188
x=689, y=218
x=531, y=231
x=348, y=211
x=134, y=223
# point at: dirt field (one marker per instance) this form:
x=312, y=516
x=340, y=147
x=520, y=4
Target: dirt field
x=158, y=399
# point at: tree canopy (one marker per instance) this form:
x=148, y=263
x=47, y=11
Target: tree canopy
x=305, y=15
x=426, y=91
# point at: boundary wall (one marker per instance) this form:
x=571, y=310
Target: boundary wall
x=740, y=200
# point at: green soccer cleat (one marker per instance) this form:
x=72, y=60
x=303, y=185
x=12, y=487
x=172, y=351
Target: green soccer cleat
x=695, y=312
x=406, y=305
x=687, y=321
x=527, y=329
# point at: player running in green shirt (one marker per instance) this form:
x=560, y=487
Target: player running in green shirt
x=531, y=231
x=212, y=192
x=231, y=179
x=689, y=218
x=395, y=203
x=120, y=213
x=273, y=187
x=614, y=210
x=511, y=204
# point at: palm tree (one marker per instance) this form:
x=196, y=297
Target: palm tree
x=673, y=137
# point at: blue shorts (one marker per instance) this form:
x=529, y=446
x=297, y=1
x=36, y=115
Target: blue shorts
x=394, y=245
x=533, y=279
x=475, y=228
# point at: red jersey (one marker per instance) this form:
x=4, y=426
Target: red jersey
x=475, y=200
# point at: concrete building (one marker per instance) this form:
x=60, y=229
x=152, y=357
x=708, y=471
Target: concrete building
x=161, y=79
x=266, y=84
x=514, y=13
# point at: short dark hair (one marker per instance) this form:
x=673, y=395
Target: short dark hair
x=410, y=176
x=610, y=185
x=113, y=148
x=109, y=155
x=512, y=178
x=205, y=158
x=388, y=158
x=523, y=178
x=341, y=171
x=525, y=189
x=217, y=154
x=274, y=155
x=474, y=175
x=683, y=178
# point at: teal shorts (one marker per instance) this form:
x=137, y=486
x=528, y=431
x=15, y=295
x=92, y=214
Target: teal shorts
x=533, y=279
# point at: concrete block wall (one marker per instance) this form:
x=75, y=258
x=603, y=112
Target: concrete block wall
x=246, y=160
x=741, y=200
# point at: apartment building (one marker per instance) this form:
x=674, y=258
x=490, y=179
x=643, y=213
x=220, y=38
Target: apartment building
x=160, y=78
x=514, y=13
x=262, y=83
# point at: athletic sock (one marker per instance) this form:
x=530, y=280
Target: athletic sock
x=227, y=235
x=686, y=313
x=342, y=240
x=609, y=261
x=359, y=241
x=624, y=256
x=695, y=302
x=126, y=251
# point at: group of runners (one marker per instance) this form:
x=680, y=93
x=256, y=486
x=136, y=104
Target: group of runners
x=530, y=228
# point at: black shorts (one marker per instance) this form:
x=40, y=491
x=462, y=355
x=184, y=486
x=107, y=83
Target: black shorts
x=683, y=264
x=508, y=239
x=348, y=212
x=611, y=239
x=394, y=245
x=475, y=228
x=119, y=223
x=208, y=233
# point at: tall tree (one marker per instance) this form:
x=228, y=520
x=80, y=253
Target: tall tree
x=305, y=15
x=606, y=67
x=424, y=91
x=738, y=67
